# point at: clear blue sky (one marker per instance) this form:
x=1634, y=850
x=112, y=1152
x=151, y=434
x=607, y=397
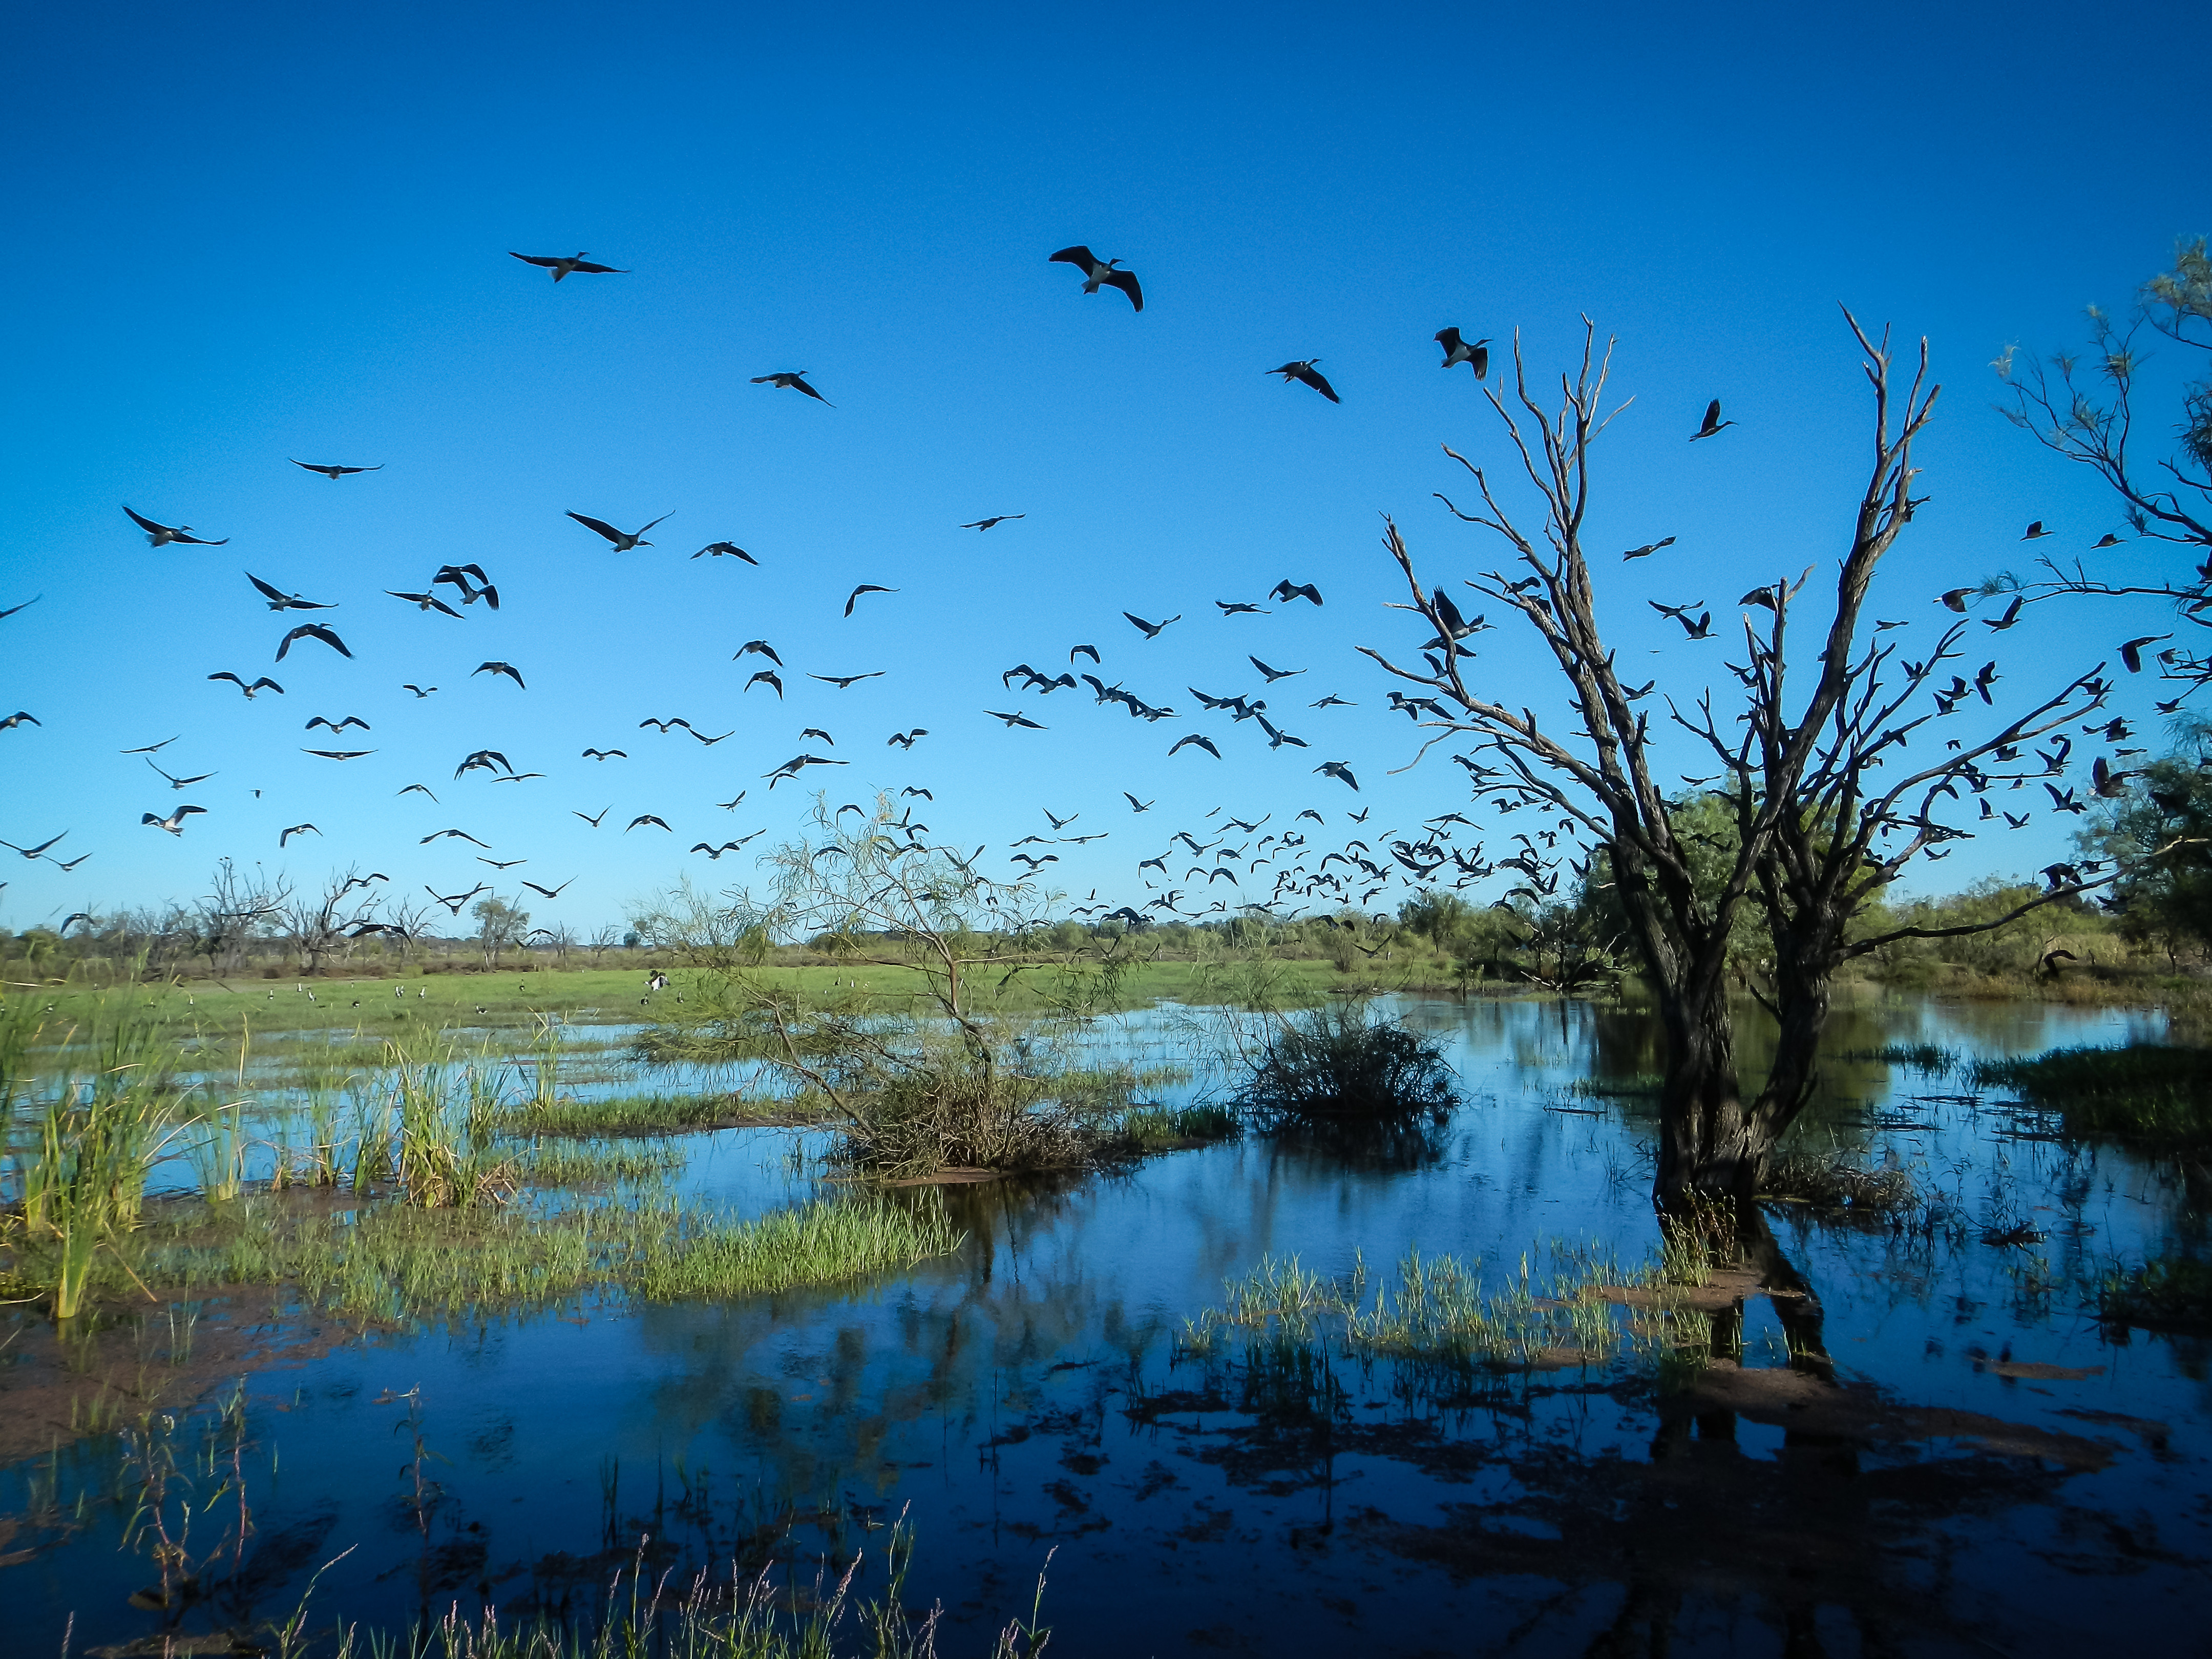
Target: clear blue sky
x=242, y=233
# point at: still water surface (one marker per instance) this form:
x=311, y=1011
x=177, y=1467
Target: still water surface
x=1026, y=1398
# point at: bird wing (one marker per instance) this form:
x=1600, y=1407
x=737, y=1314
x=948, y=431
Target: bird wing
x=532, y=259
x=1078, y=255
x=587, y=266
x=599, y=525
x=147, y=523
x=1314, y=378
x=267, y=592
x=1127, y=281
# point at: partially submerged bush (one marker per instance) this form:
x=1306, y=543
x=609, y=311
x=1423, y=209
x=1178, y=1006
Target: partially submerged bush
x=1333, y=1064
x=1838, y=1182
x=2171, y=1294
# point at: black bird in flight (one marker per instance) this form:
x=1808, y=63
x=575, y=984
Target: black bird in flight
x=25, y=717
x=282, y=601
x=1274, y=674
x=1136, y=805
x=1303, y=370
x=425, y=602
x=1955, y=598
x=622, y=540
x=798, y=763
x=312, y=631
x=2131, y=650
x=595, y=821
x=419, y=789
x=1201, y=739
x=604, y=755
x=296, y=830
x=333, y=472
x=263, y=684
x=420, y=691
x=768, y=674
x=37, y=851
x=1712, y=422
x=1339, y=771
x=1238, y=608
x=459, y=576
x=905, y=740
x=1287, y=589
x=501, y=864
x=1090, y=651
x=338, y=726
x=485, y=760
x=454, y=902
x=846, y=681
x=505, y=668
x=1475, y=353
x=1151, y=630
x=1013, y=720
x=338, y=754
x=551, y=892
x=762, y=646
x=174, y=823
x=458, y=834
x=564, y=266
x=792, y=380
x=2035, y=531
x=160, y=535
x=854, y=597
x=176, y=782
x=725, y=550
x=26, y=605
x=996, y=518
x=1100, y=273
x=1647, y=549
x=1332, y=701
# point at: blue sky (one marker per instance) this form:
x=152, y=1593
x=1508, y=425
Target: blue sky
x=248, y=233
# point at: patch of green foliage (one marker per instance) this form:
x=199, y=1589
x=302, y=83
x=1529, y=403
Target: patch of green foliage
x=2151, y=1092
x=1151, y=1128
x=650, y=1113
x=2171, y=1294
x=1335, y=1064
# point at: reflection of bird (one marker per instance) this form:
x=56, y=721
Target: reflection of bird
x=1303, y=370
x=334, y=472
x=160, y=535
x=622, y=540
x=565, y=264
x=1474, y=353
x=1100, y=273
x=312, y=631
x=1712, y=422
x=174, y=823
x=793, y=379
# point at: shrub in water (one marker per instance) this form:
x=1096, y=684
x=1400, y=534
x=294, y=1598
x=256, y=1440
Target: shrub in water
x=1334, y=1066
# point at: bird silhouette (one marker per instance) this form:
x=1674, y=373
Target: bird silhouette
x=621, y=541
x=174, y=823
x=1287, y=589
x=1303, y=371
x=264, y=683
x=1151, y=630
x=333, y=472
x=792, y=380
x=769, y=675
x=1016, y=720
x=1339, y=771
x=505, y=668
x=160, y=535
x=854, y=597
x=296, y=830
x=312, y=631
x=1100, y=273
x=725, y=551
x=846, y=681
x=1474, y=353
x=564, y=265
x=280, y=600
x=1713, y=421
x=993, y=521
x=1198, y=739
x=646, y=818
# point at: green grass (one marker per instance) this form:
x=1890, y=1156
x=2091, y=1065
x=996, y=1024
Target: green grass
x=1159, y=1129
x=2150, y=1092
x=2172, y=1294
x=1931, y=1058
x=648, y=1113
x=562, y=1165
x=390, y=1263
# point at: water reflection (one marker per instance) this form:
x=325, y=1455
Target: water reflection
x=1031, y=1392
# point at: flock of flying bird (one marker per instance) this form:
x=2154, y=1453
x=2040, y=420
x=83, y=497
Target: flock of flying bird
x=1285, y=866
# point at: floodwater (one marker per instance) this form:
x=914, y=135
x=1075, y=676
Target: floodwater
x=1025, y=1402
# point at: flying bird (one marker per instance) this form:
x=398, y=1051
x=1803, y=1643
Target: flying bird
x=26, y=605
x=419, y=789
x=1339, y=771
x=1303, y=370
x=551, y=892
x=312, y=631
x=1274, y=674
x=1150, y=631
x=485, y=760
x=589, y=818
x=279, y=600
x=176, y=782
x=1647, y=549
x=2111, y=540
x=761, y=646
x=622, y=540
x=338, y=726
x=37, y=851
x=846, y=681
x=1475, y=353
x=566, y=265
x=263, y=684
x=1013, y=720
x=792, y=380
x=1713, y=423
x=2131, y=650
x=1198, y=738
x=1235, y=608
x=725, y=551
x=425, y=602
x=1136, y=805
x=174, y=823
x=1287, y=589
x=160, y=535
x=296, y=830
x=2035, y=532
x=338, y=754
x=454, y=902
x=604, y=755
x=334, y=472
x=25, y=717
x=1100, y=273
x=505, y=668
x=854, y=597
x=420, y=691
x=769, y=675
x=995, y=519
x=461, y=576
x=905, y=740
x=1090, y=651
x=455, y=834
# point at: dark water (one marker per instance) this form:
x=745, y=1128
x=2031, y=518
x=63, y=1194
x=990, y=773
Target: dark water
x=1026, y=1398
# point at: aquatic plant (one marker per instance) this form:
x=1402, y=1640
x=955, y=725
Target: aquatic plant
x=815, y=1244
x=2148, y=1091
x=2168, y=1293
x=1837, y=1180
x=1335, y=1064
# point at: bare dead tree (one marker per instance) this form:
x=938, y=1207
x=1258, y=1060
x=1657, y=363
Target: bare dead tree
x=239, y=907
x=1818, y=834
x=2083, y=407
x=325, y=925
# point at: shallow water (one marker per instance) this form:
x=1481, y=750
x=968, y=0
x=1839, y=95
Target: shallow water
x=1026, y=1397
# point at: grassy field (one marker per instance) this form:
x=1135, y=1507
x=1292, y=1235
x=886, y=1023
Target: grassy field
x=375, y=1008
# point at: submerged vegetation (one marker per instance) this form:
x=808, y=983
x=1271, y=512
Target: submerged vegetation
x=2172, y=1293
x=2155, y=1093
x=1336, y=1064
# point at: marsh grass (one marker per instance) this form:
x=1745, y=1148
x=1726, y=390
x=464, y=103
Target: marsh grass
x=2173, y=1293
x=1837, y=1180
x=654, y=1114
x=815, y=1244
x=2149, y=1092
x=1153, y=1128
x=595, y=1166
x=1929, y=1059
